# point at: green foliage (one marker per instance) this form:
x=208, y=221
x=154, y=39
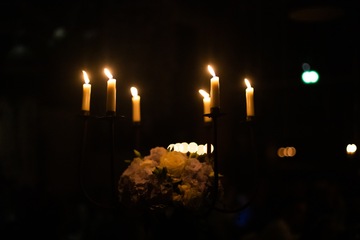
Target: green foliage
x=160, y=173
x=137, y=153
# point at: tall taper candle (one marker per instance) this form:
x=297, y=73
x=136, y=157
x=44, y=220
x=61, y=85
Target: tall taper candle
x=86, y=93
x=135, y=104
x=214, y=89
x=111, y=92
x=249, y=99
x=206, y=101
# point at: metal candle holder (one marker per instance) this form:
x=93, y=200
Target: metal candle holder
x=110, y=116
x=214, y=115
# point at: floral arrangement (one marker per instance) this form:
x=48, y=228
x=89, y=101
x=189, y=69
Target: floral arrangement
x=167, y=178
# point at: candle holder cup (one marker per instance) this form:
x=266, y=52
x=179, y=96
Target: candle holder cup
x=85, y=113
x=111, y=113
x=250, y=118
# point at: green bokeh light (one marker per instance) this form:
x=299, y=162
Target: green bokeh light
x=310, y=77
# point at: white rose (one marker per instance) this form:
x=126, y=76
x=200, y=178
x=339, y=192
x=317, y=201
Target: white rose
x=174, y=162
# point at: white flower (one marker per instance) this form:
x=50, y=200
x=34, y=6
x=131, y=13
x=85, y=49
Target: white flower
x=166, y=177
x=156, y=153
x=140, y=170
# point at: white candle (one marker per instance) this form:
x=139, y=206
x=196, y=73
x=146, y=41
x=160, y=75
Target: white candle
x=86, y=93
x=206, y=101
x=249, y=99
x=111, y=92
x=214, y=89
x=135, y=104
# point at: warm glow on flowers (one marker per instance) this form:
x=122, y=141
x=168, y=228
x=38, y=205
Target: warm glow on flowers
x=174, y=162
x=166, y=178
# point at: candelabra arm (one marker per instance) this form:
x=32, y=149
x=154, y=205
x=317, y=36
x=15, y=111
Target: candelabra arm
x=112, y=158
x=86, y=116
x=137, y=135
x=215, y=114
x=250, y=121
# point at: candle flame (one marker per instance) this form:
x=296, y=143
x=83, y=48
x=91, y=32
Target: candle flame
x=134, y=91
x=107, y=73
x=211, y=70
x=247, y=83
x=86, y=78
x=204, y=93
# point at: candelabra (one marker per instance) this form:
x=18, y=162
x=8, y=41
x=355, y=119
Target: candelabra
x=111, y=118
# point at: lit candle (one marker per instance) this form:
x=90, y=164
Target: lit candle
x=249, y=99
x=86, y=93
x=111, y=92
x=206, y=101
x=214, y=89
x=135, y=104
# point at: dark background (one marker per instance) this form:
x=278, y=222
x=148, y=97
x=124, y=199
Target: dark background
x=163, y=48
